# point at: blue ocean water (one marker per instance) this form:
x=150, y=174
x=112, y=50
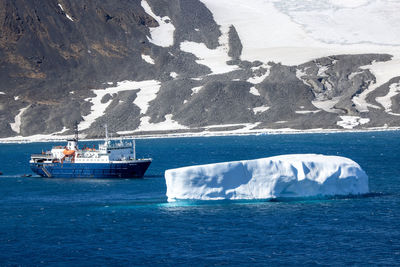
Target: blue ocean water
x=128, y=221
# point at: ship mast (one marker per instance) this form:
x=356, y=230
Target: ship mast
x=134, y=149
x=76, y=131
x=106, y=128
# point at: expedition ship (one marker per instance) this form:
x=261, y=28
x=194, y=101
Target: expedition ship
x=110, y=160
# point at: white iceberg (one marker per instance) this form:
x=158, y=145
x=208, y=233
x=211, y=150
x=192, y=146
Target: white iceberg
x=298, y=175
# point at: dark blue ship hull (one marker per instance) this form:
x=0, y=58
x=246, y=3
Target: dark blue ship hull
x=134, y=169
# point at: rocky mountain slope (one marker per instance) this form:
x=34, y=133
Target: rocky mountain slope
x=158, y=66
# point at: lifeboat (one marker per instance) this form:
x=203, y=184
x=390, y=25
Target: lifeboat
x=68, y=152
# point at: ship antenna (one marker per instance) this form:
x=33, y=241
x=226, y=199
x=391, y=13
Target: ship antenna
x=134, y=149
x=106, y=127
x=76, y=130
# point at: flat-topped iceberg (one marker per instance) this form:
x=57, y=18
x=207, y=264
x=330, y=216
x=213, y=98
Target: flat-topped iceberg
x=298, y=175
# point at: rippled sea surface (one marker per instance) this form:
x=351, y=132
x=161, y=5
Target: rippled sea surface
x=128, y=222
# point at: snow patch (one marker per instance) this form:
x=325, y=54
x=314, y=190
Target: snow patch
x=64, y=129
x=353, y=74
x=349, y=122
x=383, y=72
x=2, y=93
x=254, y=91
x=195, y=90
x=302, y=175
x=260, y=109
x=257, y=79
x=242, y=128
x=163, y=35
x=300, y=74
x=386, y=101
x=16, y=98
x=16, y=125
x=146, y=125
x=306, y=111
x=147, y=92
x=322, y=70
x=261, y=77
x=68, y=16
x=148, y=59
x=173, y=74
x=327, y=105
x=215, y=59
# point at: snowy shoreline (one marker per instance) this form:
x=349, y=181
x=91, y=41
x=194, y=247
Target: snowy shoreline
x=59, y=138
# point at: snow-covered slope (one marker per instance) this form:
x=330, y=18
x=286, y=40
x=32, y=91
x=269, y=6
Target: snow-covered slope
x=296, y=31
x=300, y=175
x=153, y=67
x=293, y=33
